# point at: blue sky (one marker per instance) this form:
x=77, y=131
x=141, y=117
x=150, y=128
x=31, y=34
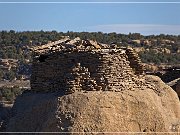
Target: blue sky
x=121, y=18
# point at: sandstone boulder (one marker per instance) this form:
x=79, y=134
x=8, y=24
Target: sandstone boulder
x=177, y=89
x=99, y=111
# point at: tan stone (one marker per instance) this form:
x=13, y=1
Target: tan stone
x=177, y=89
x=94, y=111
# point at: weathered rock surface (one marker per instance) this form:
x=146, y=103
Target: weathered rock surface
x=177, y=89
x=175, y=84
x=99, y=111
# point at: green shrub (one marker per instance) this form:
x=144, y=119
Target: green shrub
x=10, y=93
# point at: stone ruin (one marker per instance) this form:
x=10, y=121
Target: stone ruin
x=85, y=65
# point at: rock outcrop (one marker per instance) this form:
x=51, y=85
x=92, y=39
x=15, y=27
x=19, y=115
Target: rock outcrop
x=178, y=88
x=84, y=86
x=135, y=110
x=175, y=84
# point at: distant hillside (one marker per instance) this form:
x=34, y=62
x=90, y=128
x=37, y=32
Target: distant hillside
x=14, y=45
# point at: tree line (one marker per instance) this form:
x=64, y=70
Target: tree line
x=14, y=44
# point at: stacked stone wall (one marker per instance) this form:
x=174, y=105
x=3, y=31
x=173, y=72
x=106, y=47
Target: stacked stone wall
x=105, y=70
x=135, y=61
x=56, y=72
x=85, y=65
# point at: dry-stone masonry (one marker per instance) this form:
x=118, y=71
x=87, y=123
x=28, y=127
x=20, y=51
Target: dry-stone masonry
x=85, y=65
